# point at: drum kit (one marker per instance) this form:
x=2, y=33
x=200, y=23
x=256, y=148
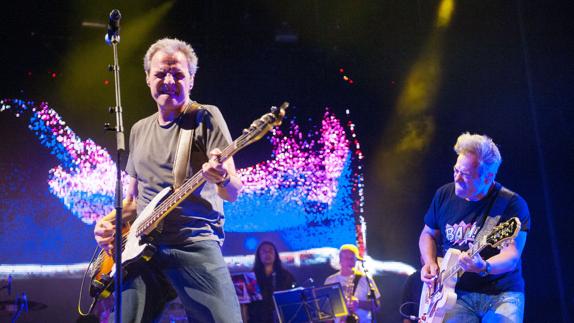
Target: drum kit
x=13, y=308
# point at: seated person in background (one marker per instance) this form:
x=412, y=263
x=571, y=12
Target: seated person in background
x=355, y=286
x=271, y=277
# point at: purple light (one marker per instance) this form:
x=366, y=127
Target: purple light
x=85, y=179
x=312, y=186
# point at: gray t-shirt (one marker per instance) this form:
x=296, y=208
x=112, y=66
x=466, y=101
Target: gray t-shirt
x=152, y=152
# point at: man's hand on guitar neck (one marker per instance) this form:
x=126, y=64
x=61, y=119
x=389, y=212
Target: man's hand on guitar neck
x=223, y=174
x=471, y=264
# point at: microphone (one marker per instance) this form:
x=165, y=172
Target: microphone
x=113, y=34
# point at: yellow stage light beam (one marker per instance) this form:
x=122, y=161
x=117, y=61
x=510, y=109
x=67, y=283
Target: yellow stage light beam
x=445, y=11
x=85, y=71
x=411, y=126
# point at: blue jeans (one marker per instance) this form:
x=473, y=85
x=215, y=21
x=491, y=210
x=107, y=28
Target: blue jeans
x=197, y=273
x=507, y=307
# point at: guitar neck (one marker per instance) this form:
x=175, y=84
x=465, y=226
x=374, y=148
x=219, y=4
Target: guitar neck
x=494, y=237
x=255, y=131
x=187, y=188
x=455, y=270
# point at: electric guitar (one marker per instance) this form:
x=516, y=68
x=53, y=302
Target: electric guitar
x=440, y=297
x=135, y=246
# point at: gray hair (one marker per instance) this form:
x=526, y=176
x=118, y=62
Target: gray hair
x=483, y=148
x=172, y=46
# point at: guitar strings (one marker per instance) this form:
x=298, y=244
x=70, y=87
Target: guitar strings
x=190, y=185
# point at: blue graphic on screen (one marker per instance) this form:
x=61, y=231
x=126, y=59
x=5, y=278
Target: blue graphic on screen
x=308, y=194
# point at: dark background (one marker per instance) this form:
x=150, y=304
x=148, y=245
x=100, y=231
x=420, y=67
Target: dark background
x=506, y=71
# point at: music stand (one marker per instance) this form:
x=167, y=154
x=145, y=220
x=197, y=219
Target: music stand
x=313, y=304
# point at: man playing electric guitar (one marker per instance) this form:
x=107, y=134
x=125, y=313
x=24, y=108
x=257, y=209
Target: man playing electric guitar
x=492, y=287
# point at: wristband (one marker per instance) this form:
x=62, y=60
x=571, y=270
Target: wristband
x=486, y=270
x=226, y=179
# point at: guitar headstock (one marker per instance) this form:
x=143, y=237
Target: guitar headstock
x=262, y=125
x=503, y=233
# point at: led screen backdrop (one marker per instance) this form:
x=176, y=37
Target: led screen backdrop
x=308, y=194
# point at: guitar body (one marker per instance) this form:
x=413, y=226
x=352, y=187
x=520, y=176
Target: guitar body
x=135, y=246
x=435, y=304
x=437, y=300
x=135, y=249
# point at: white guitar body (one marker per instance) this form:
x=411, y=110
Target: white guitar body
x=433, y=306
x=134, y=248
x=440, y=298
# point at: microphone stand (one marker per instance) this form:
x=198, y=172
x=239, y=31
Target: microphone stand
x=21, y=305
x=114, y=39
x=8, y=285
x=372, y=295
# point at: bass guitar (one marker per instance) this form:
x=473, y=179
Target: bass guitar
x=440, y=297
x=135, y=245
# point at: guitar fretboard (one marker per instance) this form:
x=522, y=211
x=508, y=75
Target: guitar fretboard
x=454, y=270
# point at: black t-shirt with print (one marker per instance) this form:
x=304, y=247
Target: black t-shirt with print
x=460, y=220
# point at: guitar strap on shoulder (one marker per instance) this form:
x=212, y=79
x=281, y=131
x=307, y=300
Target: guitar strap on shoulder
x=188, y=124
x=502, y=200
x=497, y=207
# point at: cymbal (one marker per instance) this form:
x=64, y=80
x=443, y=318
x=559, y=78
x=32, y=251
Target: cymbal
x=10, y=307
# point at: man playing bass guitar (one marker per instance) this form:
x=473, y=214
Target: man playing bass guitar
x=188, y=258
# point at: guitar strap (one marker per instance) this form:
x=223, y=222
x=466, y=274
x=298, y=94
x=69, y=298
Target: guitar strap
x=187, y=123
x=497, y=207
x=502, y=200
x=182, y=157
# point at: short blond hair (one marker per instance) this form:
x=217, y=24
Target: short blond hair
x=172, y=46
x=483, y=148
